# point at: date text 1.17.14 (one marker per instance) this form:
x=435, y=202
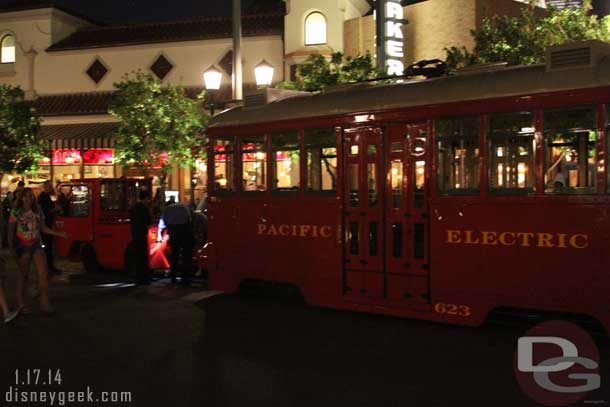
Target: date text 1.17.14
x=37, y=377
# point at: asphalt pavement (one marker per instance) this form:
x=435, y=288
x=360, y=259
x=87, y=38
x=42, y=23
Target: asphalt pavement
x=165, y=345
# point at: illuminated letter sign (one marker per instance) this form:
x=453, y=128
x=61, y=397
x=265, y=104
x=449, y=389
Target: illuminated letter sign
x=394, y=44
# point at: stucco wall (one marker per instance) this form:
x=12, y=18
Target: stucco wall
x=294, y=23
x=34, y=30
x=62, y=25
x=65, y=71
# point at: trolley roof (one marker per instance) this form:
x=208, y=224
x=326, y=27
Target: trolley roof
x=506, y=82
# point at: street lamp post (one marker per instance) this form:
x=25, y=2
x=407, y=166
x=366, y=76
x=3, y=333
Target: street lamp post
x=212, y=78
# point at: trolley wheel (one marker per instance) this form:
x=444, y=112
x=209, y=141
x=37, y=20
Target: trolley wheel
x=89, y=259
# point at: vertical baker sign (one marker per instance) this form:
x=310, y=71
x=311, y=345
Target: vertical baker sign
x=390, y=39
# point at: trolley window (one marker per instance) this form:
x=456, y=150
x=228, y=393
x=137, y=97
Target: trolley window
x=458, y=155
x=285, y=162
x=74, y=201
x=321, y=152
x=511, y=152
x=570, y=139
x=112, y=196
x=224, y=158
x=254, y=164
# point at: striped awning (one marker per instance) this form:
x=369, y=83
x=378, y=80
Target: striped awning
x=86, y=135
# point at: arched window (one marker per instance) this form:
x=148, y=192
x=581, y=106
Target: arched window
x=315, y=29
x=7, y=49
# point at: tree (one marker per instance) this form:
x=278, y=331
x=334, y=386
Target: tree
x=20, y=145
x=158, y=125
x=317, y=72
x=522, y=40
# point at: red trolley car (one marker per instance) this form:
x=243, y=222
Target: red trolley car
x=441, y=199
x=95, y=213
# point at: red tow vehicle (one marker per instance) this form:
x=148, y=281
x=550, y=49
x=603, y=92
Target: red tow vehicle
x=95, y=214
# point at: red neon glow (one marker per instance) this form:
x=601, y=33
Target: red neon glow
x=99, y=156
x=66, y=156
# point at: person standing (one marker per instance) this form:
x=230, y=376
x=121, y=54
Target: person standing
x=17, y=191
x=177, y=219
x=27, y=224
x=140, y=221
x=49, y=210
x=7, y=204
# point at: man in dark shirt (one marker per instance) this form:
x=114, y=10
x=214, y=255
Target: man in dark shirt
x=177, y=219
x=140, y=221
x=48, y=208
x=17, y=191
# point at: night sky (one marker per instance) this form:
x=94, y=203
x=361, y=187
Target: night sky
x=128, y=11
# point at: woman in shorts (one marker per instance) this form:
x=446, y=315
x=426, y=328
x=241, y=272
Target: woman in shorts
x=26, y=224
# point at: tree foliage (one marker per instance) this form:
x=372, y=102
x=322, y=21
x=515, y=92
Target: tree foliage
x=317, y=72
x=158, y=124
x=522, y=40
x=20, y=144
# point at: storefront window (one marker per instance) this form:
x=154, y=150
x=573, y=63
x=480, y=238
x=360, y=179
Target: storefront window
x=98, y=163
x=285, y=153
x=66, y=164
x=570, y=139
x=458, y=155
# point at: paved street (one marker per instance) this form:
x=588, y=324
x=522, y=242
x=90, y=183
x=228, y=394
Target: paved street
x=169, y=349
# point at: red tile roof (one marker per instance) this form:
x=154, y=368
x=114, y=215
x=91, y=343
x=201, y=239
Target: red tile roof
x=96, y=103
x=73, y=104
x=173, y=31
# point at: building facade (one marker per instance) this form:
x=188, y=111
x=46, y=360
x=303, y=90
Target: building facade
x=67, y=64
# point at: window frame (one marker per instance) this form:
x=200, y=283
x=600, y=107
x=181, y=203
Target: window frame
x=340, y=163
x=571, y=191
x=4, y=38
x=212, y=167
x=490, y=152
x=307, y=17
x=266, y=175
x=123, y=199
x=273, y=163
x=482, y=160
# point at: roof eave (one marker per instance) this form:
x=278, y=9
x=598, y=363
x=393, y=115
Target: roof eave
x=54, y=48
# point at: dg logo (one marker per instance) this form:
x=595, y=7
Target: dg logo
x=557, y=364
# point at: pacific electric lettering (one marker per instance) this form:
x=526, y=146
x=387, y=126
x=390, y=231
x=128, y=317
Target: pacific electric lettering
x=306, y=231
x=394, y=43
x=522, y=239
